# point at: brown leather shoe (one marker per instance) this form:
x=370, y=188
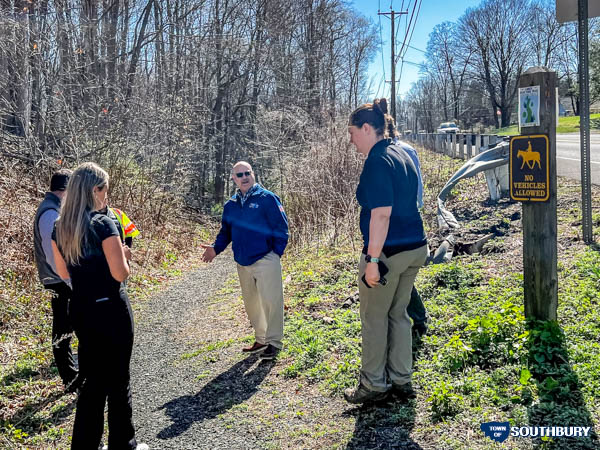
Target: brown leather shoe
x=256, y=347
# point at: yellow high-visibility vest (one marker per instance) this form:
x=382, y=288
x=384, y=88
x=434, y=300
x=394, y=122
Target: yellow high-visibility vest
x=127, y=226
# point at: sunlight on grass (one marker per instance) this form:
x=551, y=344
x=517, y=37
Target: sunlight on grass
x=565, y=125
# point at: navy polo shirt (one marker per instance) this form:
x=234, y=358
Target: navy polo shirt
x=389, y=178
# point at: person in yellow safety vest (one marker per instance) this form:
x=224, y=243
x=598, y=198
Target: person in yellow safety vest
x=126, y=227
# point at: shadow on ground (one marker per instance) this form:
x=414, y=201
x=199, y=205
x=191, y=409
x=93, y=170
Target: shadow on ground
x=220, y=394
x=561, y=403
x=386, y=425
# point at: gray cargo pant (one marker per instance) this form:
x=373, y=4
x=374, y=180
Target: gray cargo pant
x=386, y=327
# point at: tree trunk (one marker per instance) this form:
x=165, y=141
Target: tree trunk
x=20, y=71
x=137, y=48
x=111, y=50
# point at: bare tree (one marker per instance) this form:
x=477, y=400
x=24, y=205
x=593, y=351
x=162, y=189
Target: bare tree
x=497, y=33
x=173, y=91
x=448, y=61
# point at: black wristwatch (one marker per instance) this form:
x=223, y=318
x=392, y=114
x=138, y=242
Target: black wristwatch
x=371, y=259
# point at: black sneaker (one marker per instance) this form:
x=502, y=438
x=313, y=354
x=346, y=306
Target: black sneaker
x=361, y=394
x=269, y=353
x=403, y=391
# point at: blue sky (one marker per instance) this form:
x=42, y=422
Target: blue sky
x=432, y=13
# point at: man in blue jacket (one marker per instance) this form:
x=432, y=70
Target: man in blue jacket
x=254, y=220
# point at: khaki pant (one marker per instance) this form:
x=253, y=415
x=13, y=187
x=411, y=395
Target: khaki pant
x=386, y=327
x=262, y=291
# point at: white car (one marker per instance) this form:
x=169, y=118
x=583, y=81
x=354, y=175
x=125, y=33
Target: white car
x=448, y=127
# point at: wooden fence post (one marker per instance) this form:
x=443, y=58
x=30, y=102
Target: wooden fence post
x=469, y=146
x=540, y=280
x=454, y=140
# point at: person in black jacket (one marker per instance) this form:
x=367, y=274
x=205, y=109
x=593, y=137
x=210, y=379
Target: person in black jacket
x=254, y=220
x=43, y=224
x=394, y=239
x=88, y=250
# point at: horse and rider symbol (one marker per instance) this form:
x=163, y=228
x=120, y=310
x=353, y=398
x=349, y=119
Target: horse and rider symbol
x=529, y=157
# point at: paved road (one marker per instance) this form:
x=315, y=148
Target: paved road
x=568, y=154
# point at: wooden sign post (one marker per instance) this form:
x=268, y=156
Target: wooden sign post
x=533, y=181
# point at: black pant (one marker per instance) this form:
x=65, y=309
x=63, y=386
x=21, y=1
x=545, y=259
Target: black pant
x=62, y=332
x=105, y=332
x=416, y=309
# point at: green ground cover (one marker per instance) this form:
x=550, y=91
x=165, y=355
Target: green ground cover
x=34, y=411
x=565, y=125
x=482, y=361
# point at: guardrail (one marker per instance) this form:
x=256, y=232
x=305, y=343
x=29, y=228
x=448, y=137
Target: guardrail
x=465, y=146
x=457, y=145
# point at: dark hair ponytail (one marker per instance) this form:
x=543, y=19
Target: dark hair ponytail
x=391, y=127
x=375, y=114
x=381, y=104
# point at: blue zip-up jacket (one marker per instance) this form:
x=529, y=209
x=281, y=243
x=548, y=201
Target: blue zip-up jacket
x=255, y=224
x=415, y=159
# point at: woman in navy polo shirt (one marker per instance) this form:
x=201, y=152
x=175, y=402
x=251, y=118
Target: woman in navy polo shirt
x=393, y=234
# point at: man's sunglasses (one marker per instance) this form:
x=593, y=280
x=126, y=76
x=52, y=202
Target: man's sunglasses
x=241, y=174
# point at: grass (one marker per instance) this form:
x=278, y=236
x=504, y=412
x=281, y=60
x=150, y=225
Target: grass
x=565, y=125
x=482, y=360
x=34, y=412
x=210, y=347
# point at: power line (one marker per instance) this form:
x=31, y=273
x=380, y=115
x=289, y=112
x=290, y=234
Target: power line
x=411, y=34
x=417, y=49
x=413, y=63
x=401, y=67
x=379, y=87
x=408, y=30
x=410, y=39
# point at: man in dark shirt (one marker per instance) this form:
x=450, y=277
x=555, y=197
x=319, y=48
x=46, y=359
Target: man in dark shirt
x=46, y=215
x=254, y=220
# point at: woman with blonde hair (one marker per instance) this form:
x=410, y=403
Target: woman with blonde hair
x=88, y=251
x=395, y=242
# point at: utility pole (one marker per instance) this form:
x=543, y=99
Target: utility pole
x=581, y=11
x=584, y=123
x=393, y=90
x=392, y=15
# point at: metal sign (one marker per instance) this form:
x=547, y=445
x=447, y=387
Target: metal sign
x=530, y=168
x=529, y=106
x=566, y=10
